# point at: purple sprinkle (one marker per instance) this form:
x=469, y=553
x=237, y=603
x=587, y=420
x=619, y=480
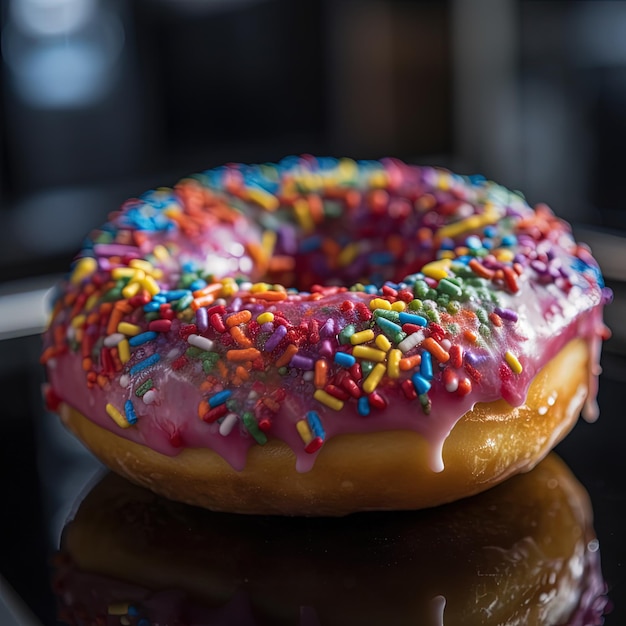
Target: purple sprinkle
x=268, y=327
x=235, y=305
x=116, y=249
x=202, y=319
x=521, y=259
x=275, y=338
x=474, y=359
x=506, y=314
x=328, y=330
x=326, y=348
x=301, y=362
x=539, y=267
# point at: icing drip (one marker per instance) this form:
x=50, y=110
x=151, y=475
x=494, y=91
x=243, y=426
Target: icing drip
x=214, y=314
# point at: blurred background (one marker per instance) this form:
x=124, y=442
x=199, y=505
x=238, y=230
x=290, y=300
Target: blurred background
x=103, y=99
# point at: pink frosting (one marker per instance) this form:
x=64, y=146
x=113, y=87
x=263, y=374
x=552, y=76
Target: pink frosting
x=211, y=315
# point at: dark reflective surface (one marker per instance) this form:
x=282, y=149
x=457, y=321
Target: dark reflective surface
x=45, y=474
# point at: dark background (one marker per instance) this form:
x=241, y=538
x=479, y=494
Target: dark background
x=102, y=99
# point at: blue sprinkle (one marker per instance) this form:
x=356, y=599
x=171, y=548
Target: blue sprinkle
x=426, y=366
x=142, y=338
x=315, y=424
x=142, y=365
x=363, y=406
x=509, y=240
x=197, y=284
x=411, y=318
x=129, y=409
x=421, y=384
x=176, y=294
x=133, y=611
x=220, y=397
x=344, y=359
x=473, y=242
x=490, y=231
x=310, y=244
x=381, y=258
x=151, y=307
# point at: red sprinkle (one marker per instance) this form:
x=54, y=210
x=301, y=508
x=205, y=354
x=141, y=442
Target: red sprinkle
x=377, y=401
x=180, y=362
x=473, y=372
x=465, y=386
x=217, y=322
x=314, y=445
x=336, y=392
x=187, y=329
x=212, y=415
x=456, y=356
x=160, y=326
x=408, y=389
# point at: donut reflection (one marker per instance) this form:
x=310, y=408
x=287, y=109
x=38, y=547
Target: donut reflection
x=522, y=553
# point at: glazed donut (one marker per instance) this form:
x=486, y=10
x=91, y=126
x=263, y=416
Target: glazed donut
x=322, y=336
x=524, y=553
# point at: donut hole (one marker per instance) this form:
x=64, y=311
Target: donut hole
x=344, y=252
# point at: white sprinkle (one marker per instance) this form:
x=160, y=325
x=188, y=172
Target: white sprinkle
x=453, y=385
x=150, y=397
x=227, y=424
x=124, y=380
x=112, y=340
x=200, y=342
x=308, y=376
x=409, y=342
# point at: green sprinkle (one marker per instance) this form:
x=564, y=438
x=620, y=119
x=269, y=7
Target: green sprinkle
x=453, y=329
x=113, y=294
x=415, y=305
x=433, y=315
x=420, y=289
x=283, y=371
x=253, y=428
x=443, y=301
x=346, y=333
x=448, y=287
x=432, y=294
x=366, y=367
x=184, y=302
x=482, y=316
x=144, y=388
x=392, y=316
x=453, y=307
x=484, y=330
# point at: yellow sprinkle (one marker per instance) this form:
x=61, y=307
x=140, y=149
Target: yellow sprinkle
x=84, y=269
x=268, y=242
x=150, y=285
x=398, y=305
x=374, y=377
x=120, y=608
x=362, y=336
x=347, y=170
x=78, y=321
x=132, y=289
x=304, y=431
x=513, y=362
x=348, y=254
x=383, y=343
x=504, y=254
x=380, y=303
x=260, y=287
x=263, y=198
x=122, y=272
x=371, y=354
x=92, y=300
x=443, y=181
x=393, y=363
x=128, y=329
x=436, y=269
x=303, y=214
x=379, y=180
x=330, y=401
x=120, y=420
x=230, y=288
x=140, y=264
x=123, y=351
x=161, y=253
x=265, y=317
x=446, y=254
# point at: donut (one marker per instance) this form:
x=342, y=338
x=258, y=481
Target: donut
x=524, y=552
x=323, y=336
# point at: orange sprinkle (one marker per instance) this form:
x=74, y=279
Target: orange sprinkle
x=241, y=317
x=281, y=263
x=286, y=356
x=436, y=350
x=242, y=372
x=274, y=296
x=495, y=319
x=221, y=366
x=258, y=256
x=102, y=380
x=87, y=363
x=247, y=354
x=203, y=408
x=409, y=362
x=202, y=301
x=510, y=278
x=321, y=373
x=470, y=335
x=237, y=334
x=480, y=270
x=114, y=320
x=209, y=290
